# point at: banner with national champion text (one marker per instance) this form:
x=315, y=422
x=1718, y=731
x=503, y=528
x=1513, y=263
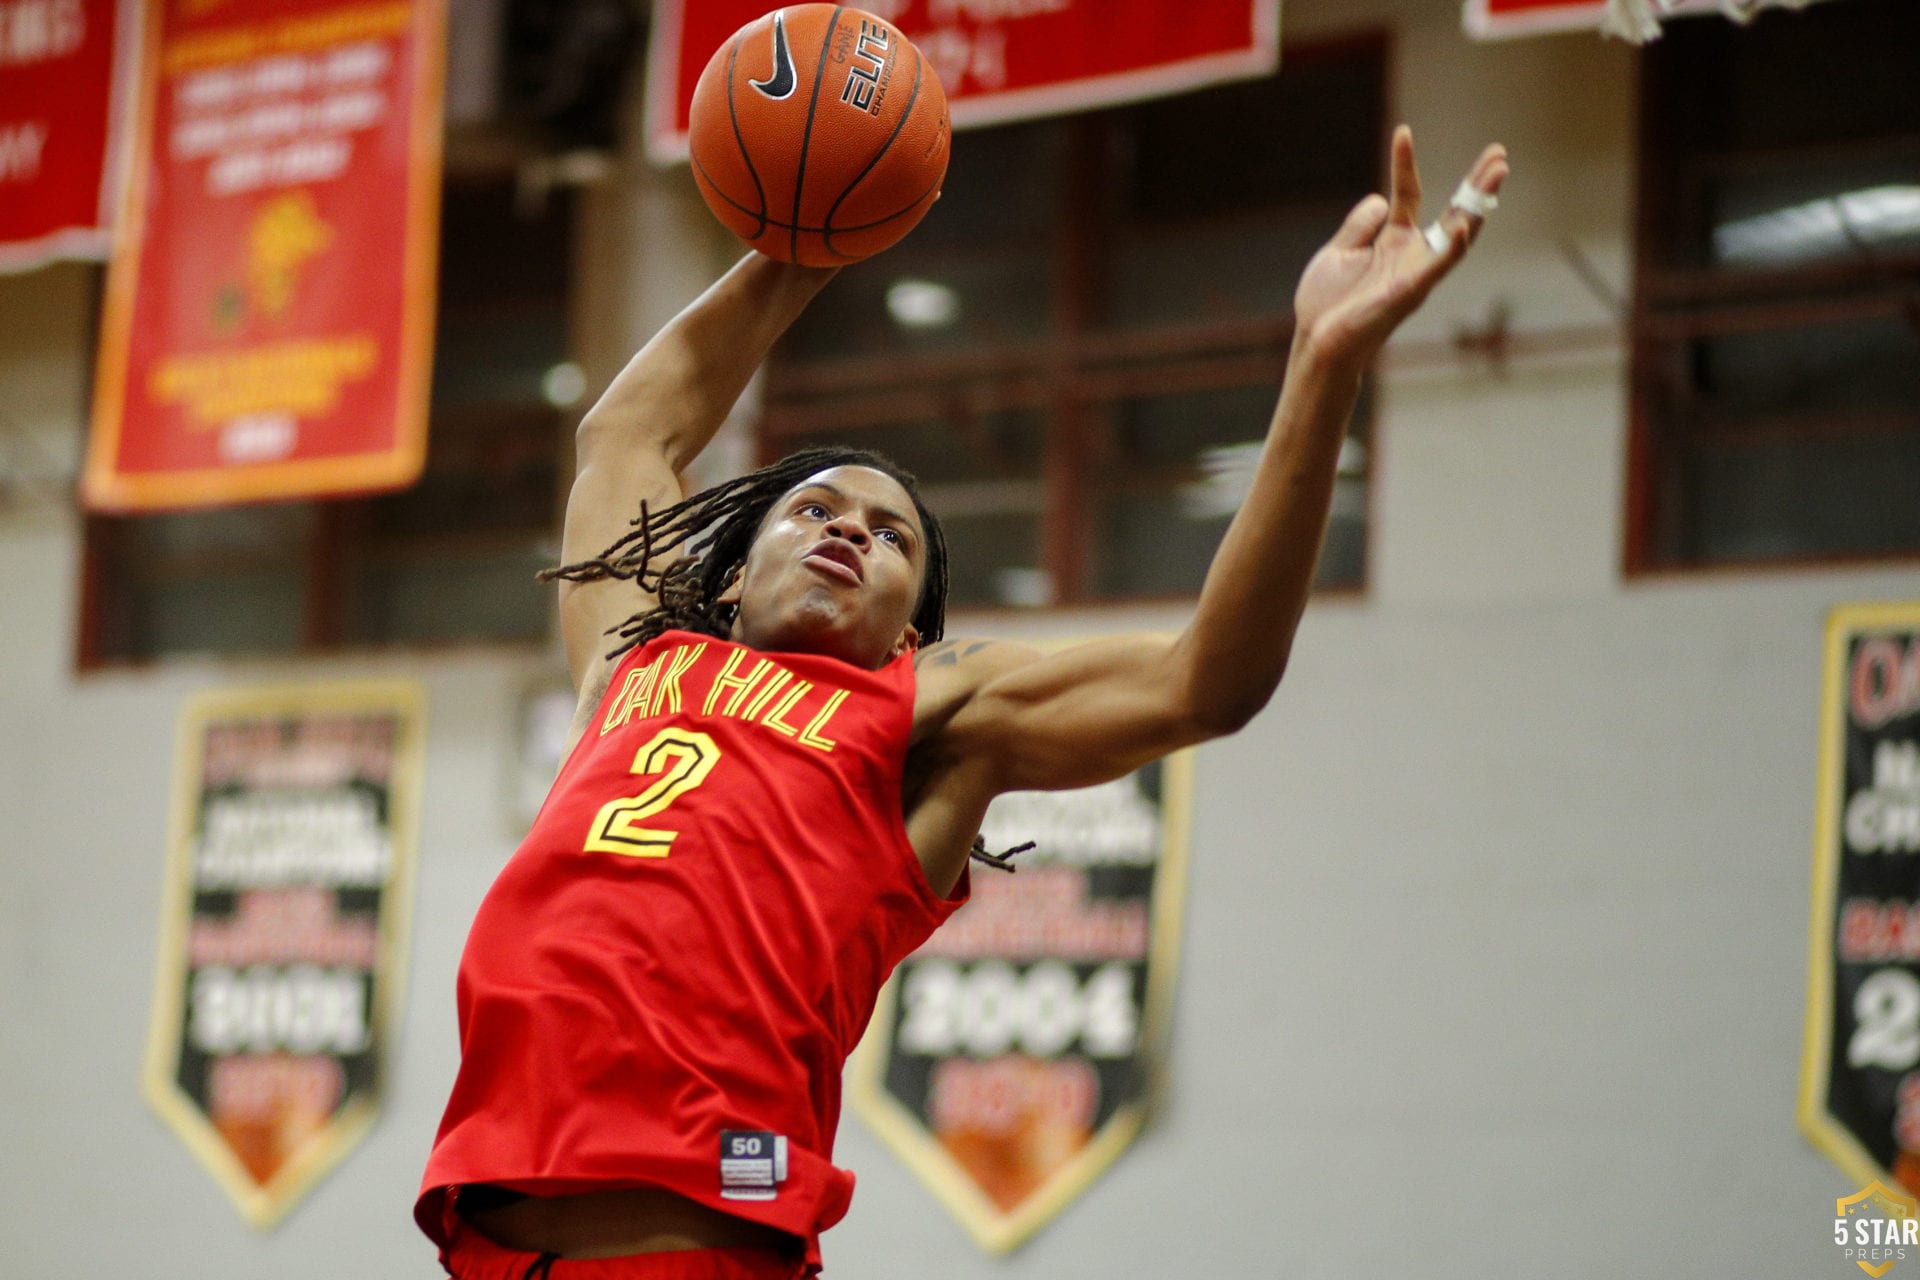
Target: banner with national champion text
x=999, y=61
x=65, y=71
x=283, y=929
x=267, y=331
x=1860, y=1074
x=1014, y=1056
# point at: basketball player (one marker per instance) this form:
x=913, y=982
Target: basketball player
x=778, y=775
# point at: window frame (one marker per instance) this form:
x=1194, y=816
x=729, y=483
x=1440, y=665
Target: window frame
x=1079, y=368
x=338, y=540
x=1673, y=305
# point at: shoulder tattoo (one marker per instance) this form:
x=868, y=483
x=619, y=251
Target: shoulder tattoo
x=949, y=653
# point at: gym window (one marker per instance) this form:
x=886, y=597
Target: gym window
x=1079, y=350
x=449, y=560
x=1776, y=356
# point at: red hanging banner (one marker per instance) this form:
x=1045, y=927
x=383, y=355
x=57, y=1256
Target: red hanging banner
x=1490, y=19
x=62, y=74
x=1495, y=19
x=999, y=60
x=268, y=324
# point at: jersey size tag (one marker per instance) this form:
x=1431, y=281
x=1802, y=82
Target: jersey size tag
x=753, y=1164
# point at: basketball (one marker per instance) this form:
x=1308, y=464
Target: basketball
x=819, y=134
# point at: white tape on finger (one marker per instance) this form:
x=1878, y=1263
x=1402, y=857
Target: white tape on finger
x=1469, y=200
x=1472, y=201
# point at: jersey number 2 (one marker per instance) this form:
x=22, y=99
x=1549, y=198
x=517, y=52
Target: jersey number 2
x=683, y=758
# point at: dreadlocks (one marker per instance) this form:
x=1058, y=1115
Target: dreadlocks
x=714, y=529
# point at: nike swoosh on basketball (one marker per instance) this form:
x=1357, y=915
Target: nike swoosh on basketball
x=780, y=84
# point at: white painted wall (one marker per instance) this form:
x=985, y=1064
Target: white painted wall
x=1496, y=937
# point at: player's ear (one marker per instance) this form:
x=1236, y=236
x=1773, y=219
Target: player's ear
x=908, y=641
x=731, y=594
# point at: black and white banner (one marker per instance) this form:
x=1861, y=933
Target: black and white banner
x=1860, y=1077
x=1010, y=1060
x=283, y=929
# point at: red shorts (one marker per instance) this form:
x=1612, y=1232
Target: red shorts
x=472, y=1256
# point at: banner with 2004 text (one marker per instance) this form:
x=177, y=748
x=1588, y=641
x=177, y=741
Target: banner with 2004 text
x=1015, y=1055
x=267, y=331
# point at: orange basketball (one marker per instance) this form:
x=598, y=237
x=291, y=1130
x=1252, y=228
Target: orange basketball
x=819, y=134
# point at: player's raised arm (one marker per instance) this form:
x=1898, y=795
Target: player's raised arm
x=654, y=419
x=1094, y=712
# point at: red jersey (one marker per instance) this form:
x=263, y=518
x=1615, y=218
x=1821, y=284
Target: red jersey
x=691, y=939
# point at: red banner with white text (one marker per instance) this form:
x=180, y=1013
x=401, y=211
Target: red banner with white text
x=1495, y=19
x=999, y=60
x=268, y=324
x=64, y=68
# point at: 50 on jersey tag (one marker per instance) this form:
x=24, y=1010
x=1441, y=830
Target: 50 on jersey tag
x=753, y=1164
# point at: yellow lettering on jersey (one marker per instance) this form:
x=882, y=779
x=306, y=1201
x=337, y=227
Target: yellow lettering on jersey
x=633, y=694
x=666, y=691
x=780, y=676
x=772, y=720
x=739, y=684
x=811, y=735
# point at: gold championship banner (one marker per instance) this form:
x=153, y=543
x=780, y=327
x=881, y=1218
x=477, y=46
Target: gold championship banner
x=283, y=929
x=268, y=325
x=1860, y=1073
x=1012, y=1057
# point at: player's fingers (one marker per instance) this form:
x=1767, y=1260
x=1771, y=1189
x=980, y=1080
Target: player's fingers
x=1486, y=178
x=1492, y=162
x=1405, y=197
x=1363, y=224
x=1456, y=228
x=1449, y=238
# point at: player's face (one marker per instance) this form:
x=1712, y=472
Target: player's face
x=835, y=569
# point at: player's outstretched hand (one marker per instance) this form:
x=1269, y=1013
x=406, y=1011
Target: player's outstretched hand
x=1381, y=264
